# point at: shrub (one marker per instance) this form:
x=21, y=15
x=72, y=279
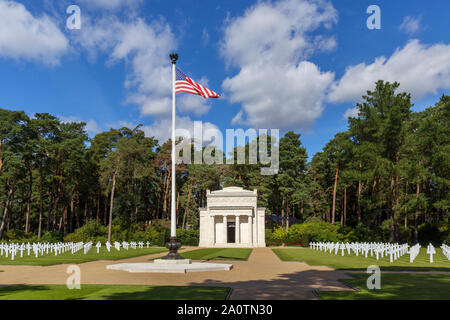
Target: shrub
x=51, y=237
x=92, y=231
x=277, y=236
x=14, y=235
x=313, y=231
x=188, y=237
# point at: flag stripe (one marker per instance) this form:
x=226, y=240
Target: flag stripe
x=188, y=85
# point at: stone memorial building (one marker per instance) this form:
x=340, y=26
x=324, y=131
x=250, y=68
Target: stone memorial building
x=232, y=219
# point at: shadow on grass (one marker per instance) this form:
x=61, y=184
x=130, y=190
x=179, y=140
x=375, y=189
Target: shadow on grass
x=302, y=284
x=395, y=287
x=172, y=293
x=112, y=292
x=7, y=290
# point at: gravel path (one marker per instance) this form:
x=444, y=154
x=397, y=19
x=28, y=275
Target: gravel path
x=263, y=276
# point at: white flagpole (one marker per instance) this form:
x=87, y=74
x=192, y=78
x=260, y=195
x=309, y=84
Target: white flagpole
x=173, y=226
x=173, y=245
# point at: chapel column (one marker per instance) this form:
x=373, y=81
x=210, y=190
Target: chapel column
x=213, y=230
x=225, y=229
x=250, y=227
x=238, y=231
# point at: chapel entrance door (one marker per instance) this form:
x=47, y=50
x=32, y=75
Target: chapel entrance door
x=231, y=232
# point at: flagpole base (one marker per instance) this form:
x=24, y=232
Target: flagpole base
x=173, y=245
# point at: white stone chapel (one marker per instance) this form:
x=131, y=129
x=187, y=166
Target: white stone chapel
x=232, y=219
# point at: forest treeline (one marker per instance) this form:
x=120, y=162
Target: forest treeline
x=385, y=178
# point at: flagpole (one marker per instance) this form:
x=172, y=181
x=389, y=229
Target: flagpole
x=173, y=245
x=173, y=230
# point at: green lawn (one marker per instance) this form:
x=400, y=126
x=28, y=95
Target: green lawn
x=218, y=254
x=79, y=257
x=395, y=287
x=352, y=262
x=112, y=292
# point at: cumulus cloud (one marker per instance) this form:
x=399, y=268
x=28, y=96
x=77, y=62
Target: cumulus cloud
x=144, y=47
x=162, y=129
x=351, y=113
x=276, y=86
x=24, y=36
x=420, y=70
x=91, y=127
x=280, y=96
x=410, y=25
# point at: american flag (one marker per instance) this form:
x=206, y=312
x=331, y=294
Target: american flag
x=185, y=84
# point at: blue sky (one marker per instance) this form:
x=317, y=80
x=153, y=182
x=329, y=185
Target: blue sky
x=292, y=64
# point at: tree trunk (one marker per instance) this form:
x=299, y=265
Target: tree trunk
x=105, y=210
x=333, y=212
x=165, y=193
x=65, y=220
x=41, y=206
x=72, y=208
x=287, y=215
x=49, y=211
x=98, y=206
x=112, y=201
x=30, y=194
x=178, y=205
x=358, y=208
x=416, y=218
x=77, y=215
x=7, y=204
x=345, y=206
x=186, y=210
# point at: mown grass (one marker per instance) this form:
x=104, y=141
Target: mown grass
x=395, y=287
x=79, y=257
x=239, y=254
x=352, y=262
x=112, y=292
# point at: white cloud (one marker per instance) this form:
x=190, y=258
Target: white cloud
x=352, y=112
x=189, y=103
x=410, y=25
x=24, y=36
x=145, y=48
x=91, y=125
x=111, y=4
x=162, y=129
x=420, y=70
x=279, y=96
x=269, y=43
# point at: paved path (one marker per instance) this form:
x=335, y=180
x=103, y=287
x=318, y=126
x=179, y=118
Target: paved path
x=263, y=276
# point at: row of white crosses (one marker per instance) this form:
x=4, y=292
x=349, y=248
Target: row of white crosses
x=431, y=251
x=38, y=249
x=413, y=252
x=12, y=250
x=394, y=250
x=87, y=247
x=125, y=245
x=446, y=251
